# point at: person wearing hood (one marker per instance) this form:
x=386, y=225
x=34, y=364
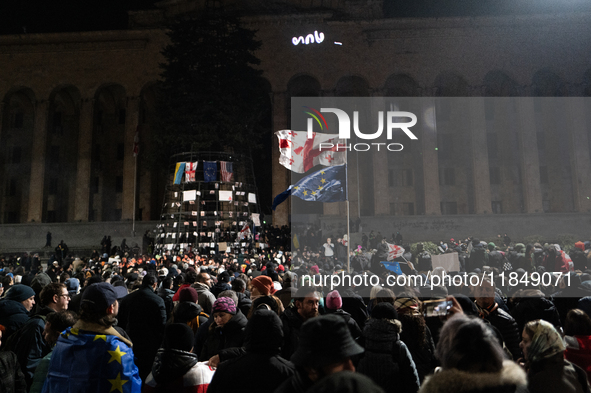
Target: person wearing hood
x=226, y=330
x=15, y=308
x=244, y=301
x=263, y=339
x=203, y=285
x=222, y=284
x=387, y=360
x=187, y=311
x=472, y=361
x=175, y=368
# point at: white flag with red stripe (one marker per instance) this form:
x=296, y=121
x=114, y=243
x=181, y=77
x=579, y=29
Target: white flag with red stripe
x=300, y=154
x=394, y=251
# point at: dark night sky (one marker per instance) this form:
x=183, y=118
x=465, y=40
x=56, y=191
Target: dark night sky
x=44, y=16
x=47, y=16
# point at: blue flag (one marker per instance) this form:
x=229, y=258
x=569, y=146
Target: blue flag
x=210, y=171
x=326, y=185
x=392, y=266
x=279, y=199
x=83, y=361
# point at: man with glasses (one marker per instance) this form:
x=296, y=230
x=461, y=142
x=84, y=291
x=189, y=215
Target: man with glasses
x=28, y=343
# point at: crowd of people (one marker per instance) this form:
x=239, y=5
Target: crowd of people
x=120, y=321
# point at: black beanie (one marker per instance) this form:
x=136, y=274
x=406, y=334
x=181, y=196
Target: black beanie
x=179, y=336
x=384, y=310
x=19, y=293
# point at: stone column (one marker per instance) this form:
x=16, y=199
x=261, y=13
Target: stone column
x=530, y=166
x=280, y=175
x=479, y=154
x=37, y=186
x=81, y=203
x=131, y=123
x=380, y=158
x=2, y=170
x=428, y=137
x=576, y=115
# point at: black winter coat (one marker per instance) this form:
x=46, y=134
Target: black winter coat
x=262, y=351
x=11, y=376
x=228, y=336
x=13, y=315
x=507, y=326
x=423, y=356
x=292, y=322
x=29, y=345
x=387, y=360
x=142, y=314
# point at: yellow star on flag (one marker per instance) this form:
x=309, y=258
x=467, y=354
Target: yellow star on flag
x=320, y=187
x=323, y=180
x=322, y=172
x=305, y=192
x=116, y=355
x=74, y=331
x=296, y=188
x=100, y=337
x=313, y=192
x=117, y=383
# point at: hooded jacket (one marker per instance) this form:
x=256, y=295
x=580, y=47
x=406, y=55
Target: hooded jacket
x=387, y=360
x=13, y=315
x=206, y=298
x=244, y=302
x=292, y=322
x=511, y=379
x=29, y=345
x=263, y=338
x=228, y=336
x=178, y=371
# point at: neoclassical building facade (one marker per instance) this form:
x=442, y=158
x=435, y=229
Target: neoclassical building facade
x=71, y=103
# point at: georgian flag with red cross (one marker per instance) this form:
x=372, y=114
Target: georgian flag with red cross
x=394, y=251
x=300, y=154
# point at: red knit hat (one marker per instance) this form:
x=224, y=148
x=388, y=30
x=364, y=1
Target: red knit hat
x=280, y=267
x=188, y=294
x=264, y=284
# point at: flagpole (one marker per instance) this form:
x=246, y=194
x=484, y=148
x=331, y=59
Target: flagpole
x=134, y=194
x=348, y=219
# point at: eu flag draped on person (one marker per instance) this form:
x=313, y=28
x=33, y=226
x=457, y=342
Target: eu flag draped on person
x=92, y=363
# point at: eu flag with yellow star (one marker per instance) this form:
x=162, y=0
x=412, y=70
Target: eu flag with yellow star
x=89, y=362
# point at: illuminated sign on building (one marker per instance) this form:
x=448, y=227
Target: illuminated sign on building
x=310, y=39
